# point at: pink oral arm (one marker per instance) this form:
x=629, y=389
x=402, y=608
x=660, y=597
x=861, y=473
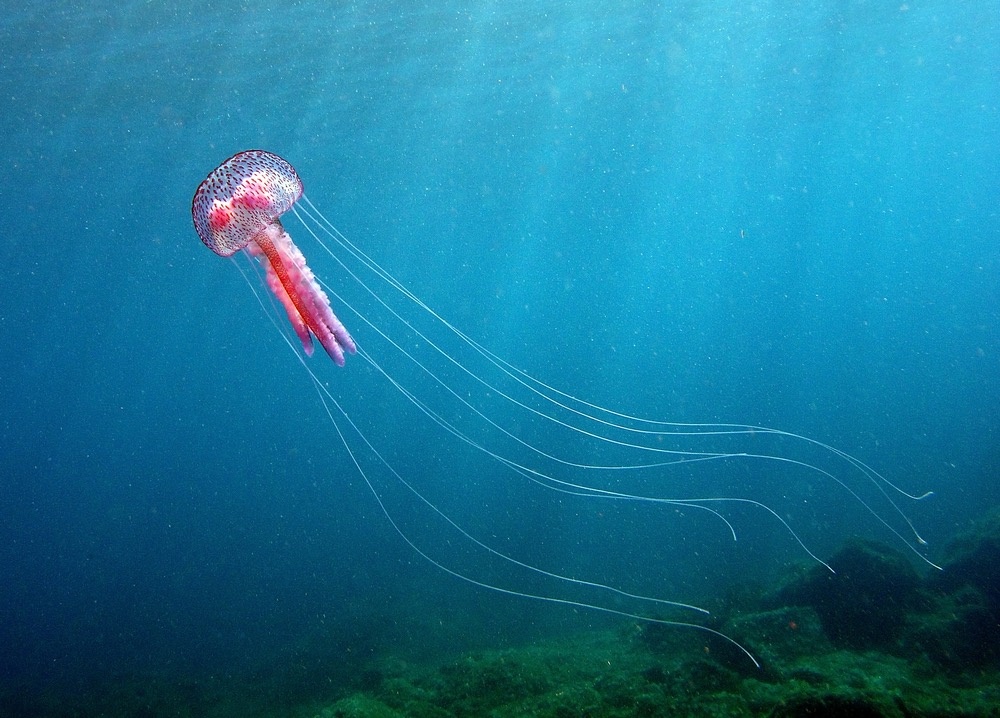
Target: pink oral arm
x=304, y=300
x=274, y=283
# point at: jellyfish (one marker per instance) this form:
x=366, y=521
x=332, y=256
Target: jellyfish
x=237, y=208
x=511, y=426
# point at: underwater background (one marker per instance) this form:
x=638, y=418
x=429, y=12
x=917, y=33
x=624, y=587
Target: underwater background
x=769, y=213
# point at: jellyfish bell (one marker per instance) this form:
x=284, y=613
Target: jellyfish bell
x=501, y=424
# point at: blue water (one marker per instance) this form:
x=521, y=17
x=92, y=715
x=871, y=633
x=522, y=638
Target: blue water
x=772, y=213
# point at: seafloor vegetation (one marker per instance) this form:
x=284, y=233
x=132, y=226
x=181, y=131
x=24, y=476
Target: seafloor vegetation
x=872, y=639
